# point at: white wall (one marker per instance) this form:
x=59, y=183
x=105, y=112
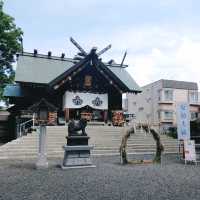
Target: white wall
x=149, y=101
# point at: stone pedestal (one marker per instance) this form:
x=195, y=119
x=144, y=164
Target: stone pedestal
x=77, y=140
x=42, y=154
x=77, y=153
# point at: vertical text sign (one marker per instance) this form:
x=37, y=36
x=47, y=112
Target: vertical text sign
x=183, y=121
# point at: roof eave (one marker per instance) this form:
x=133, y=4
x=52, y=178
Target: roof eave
x=118, y=81
x=66, y=73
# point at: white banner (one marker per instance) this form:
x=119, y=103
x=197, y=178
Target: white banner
x=189, y=150
x=183, y=121
x=80, y=99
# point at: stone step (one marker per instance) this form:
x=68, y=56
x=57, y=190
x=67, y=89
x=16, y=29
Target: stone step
x=99, y=138
x=60, y=143
x=61, y=155
x=100, y=131
x=60, y=151
x=94, y=140
x=97, y=143
x=96, y=146
x=116, y=142
x=35, y=148
x=106, y=141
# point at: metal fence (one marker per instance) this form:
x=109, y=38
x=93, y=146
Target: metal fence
x=182, y=151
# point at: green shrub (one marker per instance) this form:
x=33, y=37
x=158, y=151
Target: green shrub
x=172, y=132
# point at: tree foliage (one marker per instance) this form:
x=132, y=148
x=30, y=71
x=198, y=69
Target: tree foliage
x=10, y=44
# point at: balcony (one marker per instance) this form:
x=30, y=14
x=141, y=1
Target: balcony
x=165, y=96
x=194, y=103
x=165, y=102
x=166, y=120
x=193, y=98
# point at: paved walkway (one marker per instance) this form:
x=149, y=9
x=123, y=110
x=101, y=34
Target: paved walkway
x=109, y=180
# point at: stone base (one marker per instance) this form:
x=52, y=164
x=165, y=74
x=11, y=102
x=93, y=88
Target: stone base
x=78, y=167
x=42, y=163
x=77, y=140
x=77, y=157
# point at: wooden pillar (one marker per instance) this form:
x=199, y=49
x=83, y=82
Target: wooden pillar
x=66, y=114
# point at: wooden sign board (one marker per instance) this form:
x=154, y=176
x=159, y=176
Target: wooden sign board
x=88, y=81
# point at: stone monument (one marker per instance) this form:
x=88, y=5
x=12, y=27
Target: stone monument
x=77, y=149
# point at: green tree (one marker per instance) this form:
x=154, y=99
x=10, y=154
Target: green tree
x=10, y=44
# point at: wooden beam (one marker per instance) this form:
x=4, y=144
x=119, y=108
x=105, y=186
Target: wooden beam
x=69, y=77
x=108, y=79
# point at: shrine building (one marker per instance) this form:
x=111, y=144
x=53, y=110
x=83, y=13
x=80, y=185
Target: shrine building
x=79, y=86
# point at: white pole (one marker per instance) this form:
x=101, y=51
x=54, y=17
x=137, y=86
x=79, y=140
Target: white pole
x=20, y=131
x=33, y=120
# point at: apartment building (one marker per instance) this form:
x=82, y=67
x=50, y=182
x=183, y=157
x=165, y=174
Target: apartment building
x=156, y=104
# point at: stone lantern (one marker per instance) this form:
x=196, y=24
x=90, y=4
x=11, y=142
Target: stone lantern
x=42, y=109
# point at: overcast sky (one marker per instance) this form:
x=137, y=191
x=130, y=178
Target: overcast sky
x=162, y=37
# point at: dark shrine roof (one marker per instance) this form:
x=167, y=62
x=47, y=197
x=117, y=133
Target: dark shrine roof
x=41, y=69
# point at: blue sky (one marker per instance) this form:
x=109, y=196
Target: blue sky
x=162, y=37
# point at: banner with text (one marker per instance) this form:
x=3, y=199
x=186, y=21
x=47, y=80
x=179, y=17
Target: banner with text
x=80, y=99
x=183, y=121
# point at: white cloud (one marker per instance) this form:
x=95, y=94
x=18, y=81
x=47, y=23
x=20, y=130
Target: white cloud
x=155, y=53
x=181, y=63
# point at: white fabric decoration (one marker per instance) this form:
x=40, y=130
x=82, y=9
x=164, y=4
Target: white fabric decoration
x=80, y=99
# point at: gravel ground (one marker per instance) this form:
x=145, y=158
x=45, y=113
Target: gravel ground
x=109, y=180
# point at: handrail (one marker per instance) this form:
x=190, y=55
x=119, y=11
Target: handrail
x=24, y=123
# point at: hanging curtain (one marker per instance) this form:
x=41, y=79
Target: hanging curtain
x=80, y=99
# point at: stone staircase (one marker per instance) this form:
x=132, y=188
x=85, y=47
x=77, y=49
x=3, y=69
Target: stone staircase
x=106, y=141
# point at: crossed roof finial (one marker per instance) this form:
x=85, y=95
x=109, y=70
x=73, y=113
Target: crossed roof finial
x=83, y=52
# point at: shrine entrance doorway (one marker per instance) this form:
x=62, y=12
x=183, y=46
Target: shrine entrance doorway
x=86, y=112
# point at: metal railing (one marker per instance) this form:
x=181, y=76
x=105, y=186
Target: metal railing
x=181, y=151
x=25, y=125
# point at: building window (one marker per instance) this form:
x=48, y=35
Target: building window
x=134, y=103
x=159, y=95
x=193, y=97
x=193, y=115
x=140, y=109
x=148, y=100
x=159, y=115
x=125, y=104
x=168, y=115
x=148, y=115
x=168, y=95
